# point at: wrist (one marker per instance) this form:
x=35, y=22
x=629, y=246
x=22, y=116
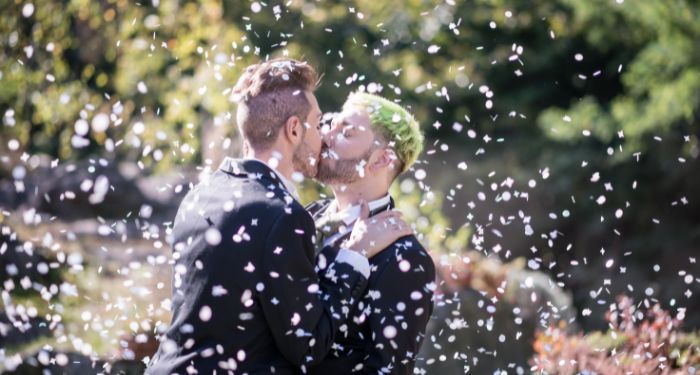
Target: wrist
x=355, y=246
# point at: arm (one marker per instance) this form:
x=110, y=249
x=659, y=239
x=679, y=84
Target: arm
x=302, y=309
x=399, y=314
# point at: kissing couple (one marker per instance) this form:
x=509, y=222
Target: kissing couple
x=264, y=285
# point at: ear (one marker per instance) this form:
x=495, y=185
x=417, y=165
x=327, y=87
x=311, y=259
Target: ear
x=293, y=130
x=246, y=148
x=383, y=159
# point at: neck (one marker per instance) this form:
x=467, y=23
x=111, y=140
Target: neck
x=283, y=167
x=351, y=194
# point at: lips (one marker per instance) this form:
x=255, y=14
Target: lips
x=327, y=153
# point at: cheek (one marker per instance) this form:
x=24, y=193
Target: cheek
x=345, y=149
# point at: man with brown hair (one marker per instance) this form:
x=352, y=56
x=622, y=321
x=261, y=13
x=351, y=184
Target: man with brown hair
x=246, y=297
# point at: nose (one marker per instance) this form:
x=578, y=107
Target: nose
x=328, y=138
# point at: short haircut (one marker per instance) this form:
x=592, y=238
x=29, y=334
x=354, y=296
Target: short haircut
x=268, y=94
x=393, y=123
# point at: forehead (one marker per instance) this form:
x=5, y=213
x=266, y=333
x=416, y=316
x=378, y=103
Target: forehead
x=355, y=116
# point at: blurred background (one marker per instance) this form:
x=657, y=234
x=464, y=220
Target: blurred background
x=557, y=193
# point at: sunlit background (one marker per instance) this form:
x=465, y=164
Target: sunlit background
x=557, y=193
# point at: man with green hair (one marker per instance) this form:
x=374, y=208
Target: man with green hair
x=369, y=144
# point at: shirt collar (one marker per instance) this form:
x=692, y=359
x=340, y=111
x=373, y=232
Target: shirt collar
x=350, y=214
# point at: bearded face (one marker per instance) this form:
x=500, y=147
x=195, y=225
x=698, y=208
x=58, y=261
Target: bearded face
x=334, y=170
x=305, y=161
x=306, y=154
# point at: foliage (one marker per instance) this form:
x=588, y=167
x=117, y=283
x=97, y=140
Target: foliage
x=640, y=340
x=572, y=87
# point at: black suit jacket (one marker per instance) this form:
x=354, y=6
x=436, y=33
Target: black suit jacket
x=246, y=296
x=389, y=322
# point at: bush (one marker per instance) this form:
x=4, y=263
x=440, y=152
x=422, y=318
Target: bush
x=641, y=340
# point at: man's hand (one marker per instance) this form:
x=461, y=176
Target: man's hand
x=370, y=235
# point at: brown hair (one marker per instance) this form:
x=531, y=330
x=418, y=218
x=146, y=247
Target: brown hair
x=268, y=94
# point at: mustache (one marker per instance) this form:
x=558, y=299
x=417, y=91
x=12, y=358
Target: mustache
x=327, y=153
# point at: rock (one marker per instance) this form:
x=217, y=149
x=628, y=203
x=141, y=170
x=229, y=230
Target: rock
x=464, y=338
x=487, y=314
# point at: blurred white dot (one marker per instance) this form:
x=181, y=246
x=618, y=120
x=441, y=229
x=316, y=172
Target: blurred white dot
x=649, y=291
x=228, y=206
x=81, y=127
x=246, y=298
x=255, y=7
x=578, y=57
x=533, y=264
x=28, y=10
x=43, y=268
x=61, y=359
x=420, y=174
x=100, y=122
x=688, y=279
x=404, y=265
x=85, y=316
x=205, y=313
x=141, y=87
x=13, y=144
x=313, y=288
x=297, y=177
x=138, y=128
x=212, y=236
x=389, y=332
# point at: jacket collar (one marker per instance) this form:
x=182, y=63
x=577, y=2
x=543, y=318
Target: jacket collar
x=255, y=169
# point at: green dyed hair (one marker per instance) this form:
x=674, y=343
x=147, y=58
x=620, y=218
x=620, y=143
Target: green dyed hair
x=394, y=123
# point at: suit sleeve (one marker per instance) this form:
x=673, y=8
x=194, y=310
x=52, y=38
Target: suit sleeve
x=304, y=309
x=399, y=314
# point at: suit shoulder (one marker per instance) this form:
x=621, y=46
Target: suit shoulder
x=291, y=210
x=408, y=249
